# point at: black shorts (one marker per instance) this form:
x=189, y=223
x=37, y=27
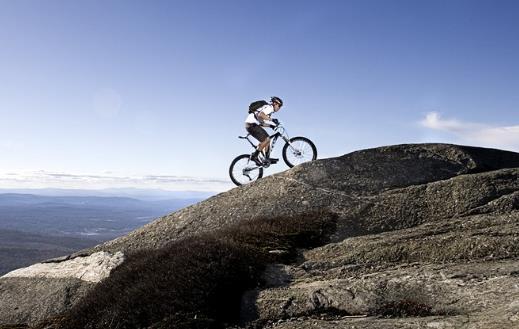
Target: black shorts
x=257, y=132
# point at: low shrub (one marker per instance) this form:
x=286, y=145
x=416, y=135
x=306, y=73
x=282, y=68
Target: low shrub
x=405, y=299
x=196, y=282
x=404, y=308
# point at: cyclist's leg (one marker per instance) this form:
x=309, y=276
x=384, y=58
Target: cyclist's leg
x=262, y=136
x=265, y=146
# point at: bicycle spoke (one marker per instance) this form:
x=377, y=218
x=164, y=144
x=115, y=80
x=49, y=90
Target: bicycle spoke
x=245, y=171
x=299, y=150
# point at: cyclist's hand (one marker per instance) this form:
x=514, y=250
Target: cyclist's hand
x=276, y=121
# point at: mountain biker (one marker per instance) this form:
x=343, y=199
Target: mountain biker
x=262, y=118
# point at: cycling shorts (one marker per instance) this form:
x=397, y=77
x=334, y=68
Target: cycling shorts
x=257, y=132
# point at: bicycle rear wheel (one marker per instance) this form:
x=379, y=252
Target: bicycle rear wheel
x=299, y=150
x=243, y=170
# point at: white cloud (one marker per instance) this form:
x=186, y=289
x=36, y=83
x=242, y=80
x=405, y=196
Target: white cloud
x=504, y=137
x=44, y=179
x=433, y=120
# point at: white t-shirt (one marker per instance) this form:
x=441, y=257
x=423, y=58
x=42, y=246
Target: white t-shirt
x=267, y=109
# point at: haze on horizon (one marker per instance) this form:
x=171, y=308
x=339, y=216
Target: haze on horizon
x=100, y=94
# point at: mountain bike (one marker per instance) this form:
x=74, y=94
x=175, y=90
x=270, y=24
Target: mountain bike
x=296, y=150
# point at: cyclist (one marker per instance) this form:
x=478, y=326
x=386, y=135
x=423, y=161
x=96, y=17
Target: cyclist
x=262, y=118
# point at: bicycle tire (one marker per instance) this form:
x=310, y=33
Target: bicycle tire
x=303, y=150
x=236, y=167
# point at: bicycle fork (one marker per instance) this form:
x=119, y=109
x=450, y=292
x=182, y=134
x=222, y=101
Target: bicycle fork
x=294, y=149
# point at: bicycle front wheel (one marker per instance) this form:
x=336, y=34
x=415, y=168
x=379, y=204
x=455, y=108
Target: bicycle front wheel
x=299, y=150
x=243, y=170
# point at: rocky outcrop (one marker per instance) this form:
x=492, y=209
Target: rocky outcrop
x=29, y=300
x=46, y=289
x=428, y=229
x=92, y=268
x=356, y=186
x=461, y=271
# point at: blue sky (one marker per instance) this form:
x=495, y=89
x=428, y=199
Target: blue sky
x=154, y=93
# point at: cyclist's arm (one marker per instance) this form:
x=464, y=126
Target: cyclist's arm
x=265, y=120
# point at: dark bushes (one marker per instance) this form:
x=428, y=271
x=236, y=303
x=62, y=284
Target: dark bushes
x=196, y=282
x=405, y=308
x=399, y=300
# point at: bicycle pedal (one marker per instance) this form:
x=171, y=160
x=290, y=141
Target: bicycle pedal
x=272, y=161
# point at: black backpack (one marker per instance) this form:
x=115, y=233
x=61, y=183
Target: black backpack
x=254, y=106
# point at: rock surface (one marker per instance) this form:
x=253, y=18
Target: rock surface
x=433, y=227
x=36, y=292
x=92, y=268
x=466, y=270
x=29, y=300
x=364, y=183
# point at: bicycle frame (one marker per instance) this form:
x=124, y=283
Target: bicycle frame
x=280, y=131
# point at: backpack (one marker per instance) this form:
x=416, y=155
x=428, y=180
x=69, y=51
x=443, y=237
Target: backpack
x=254, y=106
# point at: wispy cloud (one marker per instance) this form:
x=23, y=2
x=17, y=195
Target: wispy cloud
x=45, y=179
x=504, y=137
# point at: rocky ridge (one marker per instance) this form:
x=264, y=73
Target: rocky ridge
x=429, y=226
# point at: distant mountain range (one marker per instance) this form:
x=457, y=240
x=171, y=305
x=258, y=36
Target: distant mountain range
x=19, y=249
x=58, y=222
x=136, y=193
x=100, y=217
